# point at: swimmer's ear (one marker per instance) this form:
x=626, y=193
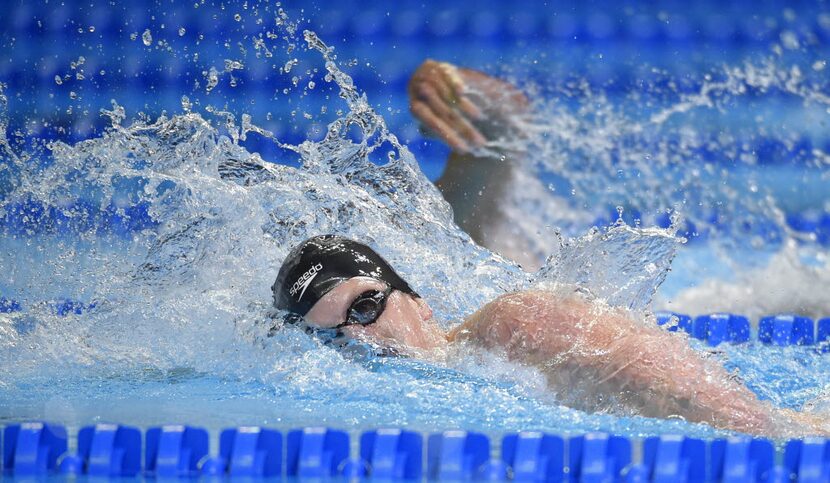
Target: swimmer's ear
x=423, y=308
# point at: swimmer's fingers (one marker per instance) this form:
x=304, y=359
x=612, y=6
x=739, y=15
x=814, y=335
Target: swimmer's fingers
x=453, y=89
x=447, y=81
x=494, y=97
x=422, y=111
x=429, y=94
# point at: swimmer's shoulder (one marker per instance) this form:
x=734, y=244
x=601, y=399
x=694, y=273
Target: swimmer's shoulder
x=494, y=323
x=523, y=312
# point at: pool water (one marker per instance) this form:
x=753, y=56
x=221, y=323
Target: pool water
x=171, y=263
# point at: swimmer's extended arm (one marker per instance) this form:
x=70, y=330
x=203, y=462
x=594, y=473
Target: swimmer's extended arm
x=622, y=359
x=477, y=116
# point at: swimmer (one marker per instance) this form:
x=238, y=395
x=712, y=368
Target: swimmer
x=478, y=117
x=343, y=288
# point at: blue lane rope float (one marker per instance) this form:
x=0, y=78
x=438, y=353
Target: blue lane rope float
x=8, y=306
x=808, y=460
x=673, y=458
x=456, y=455
x=36, y=450
x=105, y=450
x=718, y=328
x=391, y=454
x=598, y=457
x=175, y=451
x=740, y=459
x=534, y=456
x=316, y=453
x=33, y=449
x=247, y=452
x=783, y=330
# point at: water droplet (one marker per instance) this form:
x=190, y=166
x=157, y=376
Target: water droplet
x=789, y=40
x=311, y=84
x=147, y=37
x=237, y=17
x=289, y=65
x=73, y=95
x=182, y=31
x=58, y=80
x=212, y=79
x=231, y=65
x=133, y=35
x=91, y=28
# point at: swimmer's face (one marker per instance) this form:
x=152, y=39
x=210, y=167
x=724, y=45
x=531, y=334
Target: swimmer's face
x=405, y=323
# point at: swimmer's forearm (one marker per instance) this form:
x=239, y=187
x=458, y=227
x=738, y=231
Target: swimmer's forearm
x=664, y=363
x=476, y=188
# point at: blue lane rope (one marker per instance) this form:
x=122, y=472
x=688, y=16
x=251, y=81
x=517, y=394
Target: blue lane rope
x=109, y=450
x=776, y=330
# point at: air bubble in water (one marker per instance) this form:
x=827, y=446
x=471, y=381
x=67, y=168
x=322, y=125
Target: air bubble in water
x=58, y=80
x=819, y=65
x=182, y=31
x=147, y=38
x=73, y=95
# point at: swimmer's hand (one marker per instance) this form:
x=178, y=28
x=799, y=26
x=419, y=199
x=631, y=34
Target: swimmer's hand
x=802, y=424
x=465, y=108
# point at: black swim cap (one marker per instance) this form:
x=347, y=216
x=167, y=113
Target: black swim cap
x=319, y=264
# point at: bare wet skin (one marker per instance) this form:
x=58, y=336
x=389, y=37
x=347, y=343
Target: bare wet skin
x=595, y=358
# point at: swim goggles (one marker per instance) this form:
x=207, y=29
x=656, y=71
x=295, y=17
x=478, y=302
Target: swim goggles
x=366, y=308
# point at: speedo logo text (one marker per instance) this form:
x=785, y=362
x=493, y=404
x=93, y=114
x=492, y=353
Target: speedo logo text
x=303, y=282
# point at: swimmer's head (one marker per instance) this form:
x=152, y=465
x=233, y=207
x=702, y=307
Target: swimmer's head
x=317, y=265
x=337, y=283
